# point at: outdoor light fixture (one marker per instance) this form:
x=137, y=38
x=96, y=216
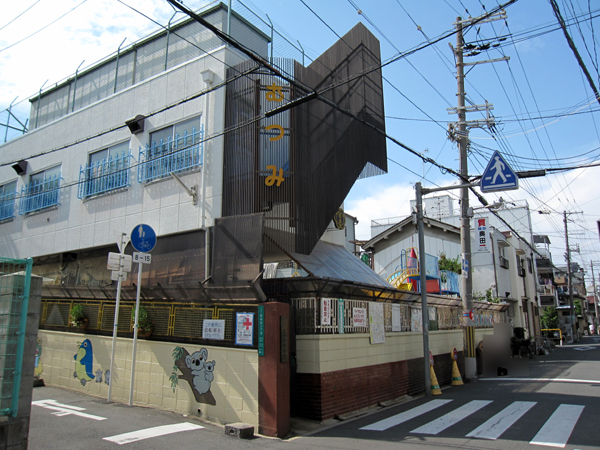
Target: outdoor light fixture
x=20, y=167
x=136, y=125
x=208, y=76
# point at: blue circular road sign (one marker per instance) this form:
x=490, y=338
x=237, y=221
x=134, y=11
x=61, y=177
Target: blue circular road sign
x=143, y=238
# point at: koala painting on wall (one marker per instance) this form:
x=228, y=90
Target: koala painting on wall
x=197, y=370
x=202, y=370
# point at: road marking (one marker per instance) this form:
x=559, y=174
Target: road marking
x=583, y=349
x=493, y=428
x=390, y=422
x=558, y=380
x=453, y=417
x=558, y=428
x=148, y=433
x=65, y=410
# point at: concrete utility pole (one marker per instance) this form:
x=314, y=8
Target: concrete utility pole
x=595, y=296
x=568, y=255
x=423, y=289
x=465, y=220
x=461, y=135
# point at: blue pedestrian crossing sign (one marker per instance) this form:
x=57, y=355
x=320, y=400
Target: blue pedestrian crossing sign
x=498, y=176
x=143, y=238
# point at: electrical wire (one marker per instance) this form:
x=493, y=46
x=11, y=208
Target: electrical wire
x=12, y=20
x=44, y=27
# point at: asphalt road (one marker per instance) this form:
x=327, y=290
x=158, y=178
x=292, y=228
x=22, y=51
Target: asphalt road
x=557, y=406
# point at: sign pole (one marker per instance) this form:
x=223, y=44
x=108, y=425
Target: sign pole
x=143, y=239
x=116, y=321
x=135, y=331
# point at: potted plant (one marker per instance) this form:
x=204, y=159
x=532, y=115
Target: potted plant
x=77, y=316
x=145, y=324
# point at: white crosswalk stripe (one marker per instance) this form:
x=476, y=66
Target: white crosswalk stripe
x=390, y=422
x=558, y=428
x=452, y=418
x=555, y=432
x=493, y=428
x=147, y=433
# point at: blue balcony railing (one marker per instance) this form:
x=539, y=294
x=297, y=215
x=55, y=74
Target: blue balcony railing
x=7, y=205
x=39, y=195
x=104, y=176
x=175, y=155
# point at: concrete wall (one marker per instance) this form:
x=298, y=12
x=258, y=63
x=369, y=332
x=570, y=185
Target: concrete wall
x=164, y=205
x=337, y=374
x=328, y=353
x=234, y=388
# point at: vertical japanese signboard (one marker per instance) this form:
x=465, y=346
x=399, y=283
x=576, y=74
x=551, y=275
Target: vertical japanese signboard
x=482, y=235
x=325, y=311
x=261, y=330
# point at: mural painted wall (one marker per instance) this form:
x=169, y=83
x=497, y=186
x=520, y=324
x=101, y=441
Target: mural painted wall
x=220, y=384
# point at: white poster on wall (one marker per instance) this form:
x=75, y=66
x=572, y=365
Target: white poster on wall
x=325, y=311
x=376, y=323
x=213, y=329
x=416, y=320
x=359, y=317
x=396, y=318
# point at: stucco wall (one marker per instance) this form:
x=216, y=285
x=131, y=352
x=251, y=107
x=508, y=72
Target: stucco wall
x=235, y=385
x=329, y=353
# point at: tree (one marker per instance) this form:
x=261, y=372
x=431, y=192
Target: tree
x=549, y=318
x=452, y=265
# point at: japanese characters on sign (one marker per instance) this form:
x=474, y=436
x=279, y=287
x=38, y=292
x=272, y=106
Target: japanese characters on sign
x=482, y=235
x=275, y=160
x=244, y=328
x=359, y=317
x=325, y=311
x=213, y=329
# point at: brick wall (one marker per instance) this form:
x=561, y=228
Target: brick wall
x=323, y=396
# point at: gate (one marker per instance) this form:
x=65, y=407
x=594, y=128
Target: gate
x=15, y=282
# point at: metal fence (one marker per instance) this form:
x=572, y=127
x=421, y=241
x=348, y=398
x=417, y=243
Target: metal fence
x=170, y=320
x=308, y=317
x=104, y=176
x=15, y=279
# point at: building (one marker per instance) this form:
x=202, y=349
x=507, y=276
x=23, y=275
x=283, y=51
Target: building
x=546, y=284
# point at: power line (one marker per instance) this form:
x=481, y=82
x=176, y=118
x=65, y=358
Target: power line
x=44, y=27
x=4, y=26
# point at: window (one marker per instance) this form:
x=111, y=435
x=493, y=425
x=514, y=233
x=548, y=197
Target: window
x=8, y=193
x=176, y=148
x=106, y=170
x=41, y=192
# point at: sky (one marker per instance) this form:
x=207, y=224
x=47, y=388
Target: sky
x=546, y=116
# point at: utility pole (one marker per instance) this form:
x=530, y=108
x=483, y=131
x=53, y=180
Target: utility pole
x=595, y=297
x=461, y=136
x=569, y=278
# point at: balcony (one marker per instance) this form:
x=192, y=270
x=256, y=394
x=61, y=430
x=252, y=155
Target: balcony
x=7, y=206
x=175, y=155
x=503, y=262
x=40, y=195
x=104, y=176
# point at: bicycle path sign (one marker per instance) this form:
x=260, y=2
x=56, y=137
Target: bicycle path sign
x=498, y=176
x=143, y=238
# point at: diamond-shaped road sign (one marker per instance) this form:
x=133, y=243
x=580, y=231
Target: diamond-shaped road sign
x=498, y=176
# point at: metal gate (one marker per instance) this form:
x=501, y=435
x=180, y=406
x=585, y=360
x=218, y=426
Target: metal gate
x=15, y=282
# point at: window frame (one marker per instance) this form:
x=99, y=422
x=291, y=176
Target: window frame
x=7, y=205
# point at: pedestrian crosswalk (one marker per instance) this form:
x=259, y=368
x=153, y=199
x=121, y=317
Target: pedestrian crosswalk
x=555, y=432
